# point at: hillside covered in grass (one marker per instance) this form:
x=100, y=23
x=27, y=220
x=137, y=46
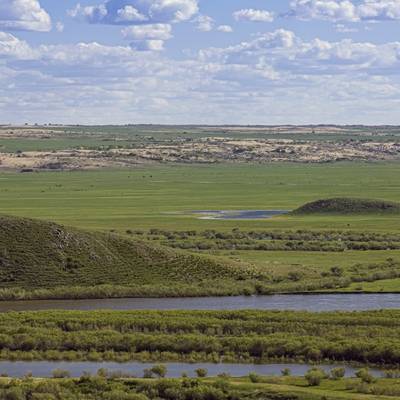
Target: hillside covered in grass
x=349, y=206
x=43, y=255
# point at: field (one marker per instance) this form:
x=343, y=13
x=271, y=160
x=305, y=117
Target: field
x=155, y=197
x=138, y=201
x=101, y=212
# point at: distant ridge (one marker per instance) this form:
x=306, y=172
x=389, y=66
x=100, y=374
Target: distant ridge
x=342, y=205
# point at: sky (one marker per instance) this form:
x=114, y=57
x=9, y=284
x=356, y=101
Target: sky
x=245, y=62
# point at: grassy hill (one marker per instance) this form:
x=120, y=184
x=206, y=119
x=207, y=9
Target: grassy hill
x=43, y=255
x=348, y=206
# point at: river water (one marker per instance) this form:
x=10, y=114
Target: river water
x=319, y=302
x=175, y=370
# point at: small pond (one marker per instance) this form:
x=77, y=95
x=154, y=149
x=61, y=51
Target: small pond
x=238, y=214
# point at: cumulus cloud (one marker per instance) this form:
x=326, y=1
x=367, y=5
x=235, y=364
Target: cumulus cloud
x=132, y=12
x=10, y=46
x=156, y=31
x=288, y=53
x=346, y=10
x=26, y=15
x=225, y=28
x=148, y=37
x=253, y=15
x=205, y=23
x=276, y=71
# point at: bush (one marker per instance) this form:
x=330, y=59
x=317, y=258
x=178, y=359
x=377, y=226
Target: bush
x=365, y=375
x=201, y=372
x=159, y=370
x=254, y=378
x=147, y=374
x=286, y=372
x=338, y=373
x=61, y=373
x=314, y=376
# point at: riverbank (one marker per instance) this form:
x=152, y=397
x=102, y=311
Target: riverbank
x=101, y=387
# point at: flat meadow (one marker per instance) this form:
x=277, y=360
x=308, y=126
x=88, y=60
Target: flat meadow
x=159, y=196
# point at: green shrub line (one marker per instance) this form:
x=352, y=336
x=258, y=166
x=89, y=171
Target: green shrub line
x=251, y=336
x=315, y=385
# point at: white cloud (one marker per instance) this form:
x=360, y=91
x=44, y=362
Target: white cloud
x=346, y=10
x=25, y=15
x=148, y=45
x=148, y=37
x=205, y=23
x=60, y=26
x=141, y=32
x=273, y=78
x=132, y=12
x=225, y=28
x=10, y=46
x=253, y=15
x=341, y=28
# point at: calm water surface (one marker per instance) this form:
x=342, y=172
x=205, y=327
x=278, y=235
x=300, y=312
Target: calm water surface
x=239, y=214
x=76, y=369
x=320, y=302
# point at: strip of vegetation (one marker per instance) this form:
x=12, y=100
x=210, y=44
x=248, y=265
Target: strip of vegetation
x=314, y=386
x=300, y=240
x=242, y=336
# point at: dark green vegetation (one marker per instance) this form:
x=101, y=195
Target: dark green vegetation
x=298, y=261
x=242, y=336
x=41, y=255
x=348, y=206
x=100, y=387
x=44, y=260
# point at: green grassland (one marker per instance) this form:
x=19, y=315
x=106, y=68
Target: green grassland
x=156, y=197
x=162, y=197
x=100, y=387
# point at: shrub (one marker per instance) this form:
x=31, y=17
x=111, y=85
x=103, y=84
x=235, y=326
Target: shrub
x=201, y=372
x=286, y=372
x=254, y=378
x=365, y=375
x=314, y=376
x=159, y=370
x=61, y=373
x=338, y=373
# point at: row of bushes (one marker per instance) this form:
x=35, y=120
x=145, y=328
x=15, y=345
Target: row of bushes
x=372, y=337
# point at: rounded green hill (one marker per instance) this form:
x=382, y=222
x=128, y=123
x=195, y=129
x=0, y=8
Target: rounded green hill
x=348, y=206
x=37, y=255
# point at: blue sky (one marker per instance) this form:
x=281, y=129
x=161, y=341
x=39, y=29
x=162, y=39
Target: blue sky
x=200, y=61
